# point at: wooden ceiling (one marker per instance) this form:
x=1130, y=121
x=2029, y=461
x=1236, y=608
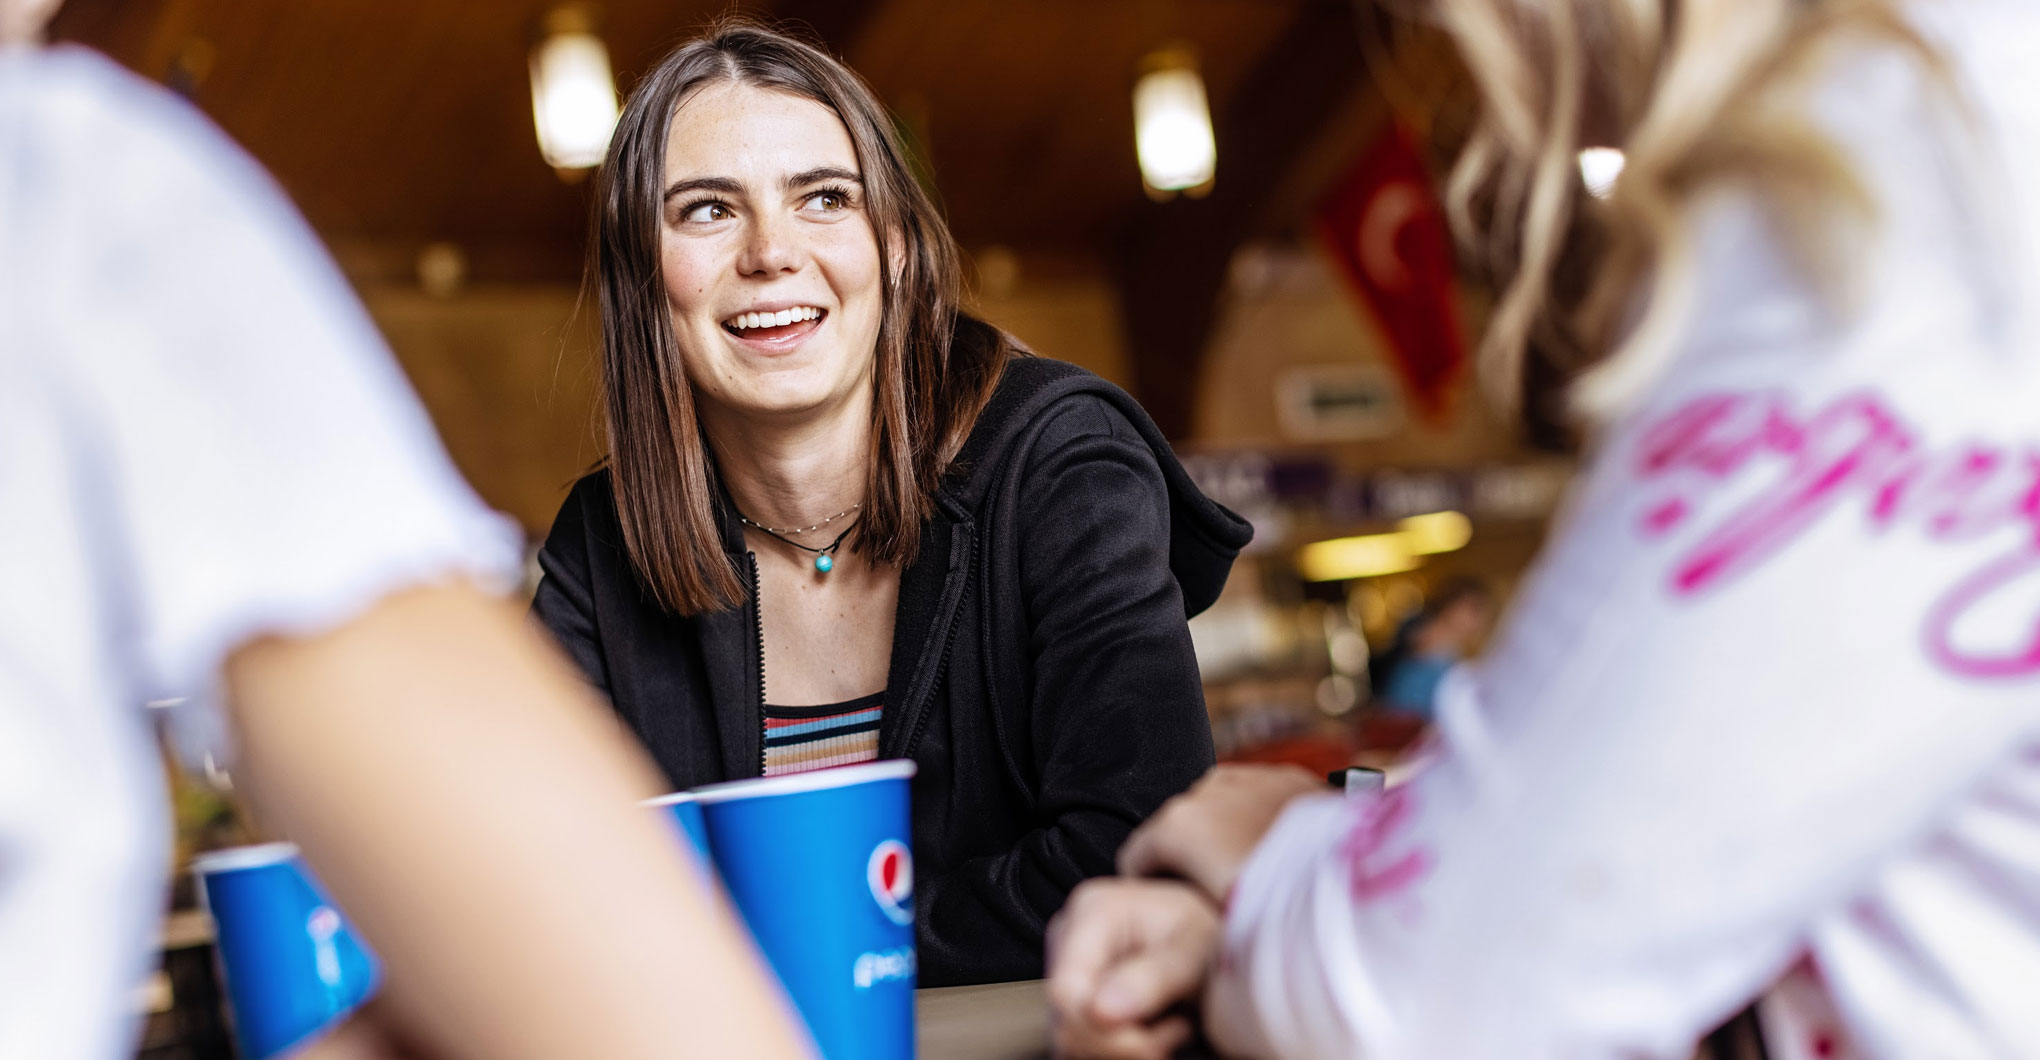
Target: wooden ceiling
x=400, y=122
x=1028, y=104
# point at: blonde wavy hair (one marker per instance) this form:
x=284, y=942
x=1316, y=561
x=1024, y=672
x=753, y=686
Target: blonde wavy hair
x=1694, y=92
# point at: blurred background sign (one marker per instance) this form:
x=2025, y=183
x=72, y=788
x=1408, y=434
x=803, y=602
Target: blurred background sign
x=1339, y=403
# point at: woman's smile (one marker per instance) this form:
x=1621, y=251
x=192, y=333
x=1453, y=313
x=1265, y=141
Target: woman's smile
x=774, y=330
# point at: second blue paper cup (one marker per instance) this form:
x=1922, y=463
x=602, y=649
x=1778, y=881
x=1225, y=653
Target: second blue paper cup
x=293, y=965
x=820, y=867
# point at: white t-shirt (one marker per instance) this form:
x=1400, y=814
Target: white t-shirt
x=202, y=439
x=1770, y=701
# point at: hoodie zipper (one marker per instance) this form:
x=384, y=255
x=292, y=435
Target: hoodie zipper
x=758, y=649
x=941, y=671
x=934, y=682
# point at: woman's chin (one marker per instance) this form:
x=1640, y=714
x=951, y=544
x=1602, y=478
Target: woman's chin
x=784, y=402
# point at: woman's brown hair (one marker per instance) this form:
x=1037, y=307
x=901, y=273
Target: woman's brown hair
x=936, y=367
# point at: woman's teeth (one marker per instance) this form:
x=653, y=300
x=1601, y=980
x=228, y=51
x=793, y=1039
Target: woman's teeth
x=745, y=321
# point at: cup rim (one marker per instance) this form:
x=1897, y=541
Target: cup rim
x=674, y=799
x=814, y=780
x=234, y=859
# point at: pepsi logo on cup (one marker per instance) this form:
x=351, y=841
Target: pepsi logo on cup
x=891, y=875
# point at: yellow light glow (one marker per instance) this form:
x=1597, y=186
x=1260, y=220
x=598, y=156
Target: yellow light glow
x=1172, y=124
x=573, y=95
x=1366, y=556
x=1428, y=535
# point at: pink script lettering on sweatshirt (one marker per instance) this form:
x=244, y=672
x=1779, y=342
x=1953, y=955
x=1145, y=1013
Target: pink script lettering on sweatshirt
x=1854, y=453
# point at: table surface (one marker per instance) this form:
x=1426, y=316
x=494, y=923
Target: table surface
x=1000, y=1021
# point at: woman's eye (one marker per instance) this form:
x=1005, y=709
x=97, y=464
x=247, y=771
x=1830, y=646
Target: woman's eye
x=830, y=201
x=707, y=211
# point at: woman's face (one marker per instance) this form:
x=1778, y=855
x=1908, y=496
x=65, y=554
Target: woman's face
x=771, y=262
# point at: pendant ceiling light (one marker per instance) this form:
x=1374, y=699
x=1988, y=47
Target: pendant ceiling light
x=1172, y=125
x=573, y=93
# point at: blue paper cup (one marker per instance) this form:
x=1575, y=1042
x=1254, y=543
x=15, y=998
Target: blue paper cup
x=820, y=867
x=685, y=810
x=293, y=966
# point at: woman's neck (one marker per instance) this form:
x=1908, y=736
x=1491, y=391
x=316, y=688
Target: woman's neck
x=793, y=473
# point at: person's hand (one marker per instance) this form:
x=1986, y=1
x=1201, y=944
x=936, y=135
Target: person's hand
x=1121, y=955
x=1205, y=834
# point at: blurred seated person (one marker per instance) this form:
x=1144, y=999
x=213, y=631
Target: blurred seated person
x=843, y=520
x=1767, y=711
x=214, y=481
x=1429, y=643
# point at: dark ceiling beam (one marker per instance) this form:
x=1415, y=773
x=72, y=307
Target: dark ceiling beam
x=1172, y=262
x=835, y=23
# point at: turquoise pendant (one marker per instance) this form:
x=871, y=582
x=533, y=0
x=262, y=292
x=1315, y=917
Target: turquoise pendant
x=823, y=563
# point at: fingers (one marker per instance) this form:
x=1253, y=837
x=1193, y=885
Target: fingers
x=1168, y=843
x=1140, y=986
x=1121, y=954
x=1148, y=851
x=1204, y=834
x=1084, y=940
x=1158, y=1041
x=1286, y=779
x=1292, y=781
x=1184, y=839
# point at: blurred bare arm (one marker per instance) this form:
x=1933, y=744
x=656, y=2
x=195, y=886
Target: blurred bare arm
x=21, y=21
x=1206, y=834
x=475, y=813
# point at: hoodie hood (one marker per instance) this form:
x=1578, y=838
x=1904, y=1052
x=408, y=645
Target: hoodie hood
x=1204, y=536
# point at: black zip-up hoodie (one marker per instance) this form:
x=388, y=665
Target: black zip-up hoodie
x=1042, y=676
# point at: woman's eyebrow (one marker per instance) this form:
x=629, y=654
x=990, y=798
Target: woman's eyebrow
x=725, y=185
x=819, y=174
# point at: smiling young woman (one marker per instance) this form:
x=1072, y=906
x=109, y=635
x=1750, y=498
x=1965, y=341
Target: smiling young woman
x=843, y=520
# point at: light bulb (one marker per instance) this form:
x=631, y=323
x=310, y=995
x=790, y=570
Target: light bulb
x=573, y=94
x=1172, y=124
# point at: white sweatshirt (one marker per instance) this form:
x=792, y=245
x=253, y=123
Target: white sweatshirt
x=202, y=440
x=1770, y=701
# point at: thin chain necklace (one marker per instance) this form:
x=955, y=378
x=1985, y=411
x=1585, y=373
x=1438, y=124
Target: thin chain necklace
x=775, y=532
x=825, y=558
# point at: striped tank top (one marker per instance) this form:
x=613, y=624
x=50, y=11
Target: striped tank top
x=798, y=739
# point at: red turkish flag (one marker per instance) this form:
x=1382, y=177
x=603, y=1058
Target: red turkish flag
x=1385, y=228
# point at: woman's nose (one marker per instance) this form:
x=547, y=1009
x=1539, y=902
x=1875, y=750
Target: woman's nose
x=771, y=246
